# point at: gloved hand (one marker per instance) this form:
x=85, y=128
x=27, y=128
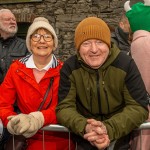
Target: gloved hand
x=10, y=125
x=36, y=122
x=18, y=124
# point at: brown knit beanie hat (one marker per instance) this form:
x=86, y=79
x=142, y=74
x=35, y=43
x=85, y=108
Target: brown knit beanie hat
x=92, y=28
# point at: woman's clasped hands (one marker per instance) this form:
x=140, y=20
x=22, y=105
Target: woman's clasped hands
x=25, y=124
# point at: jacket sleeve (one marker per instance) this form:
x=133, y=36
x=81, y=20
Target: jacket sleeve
x=66, y=110
x=135, y=111
x=7, y=99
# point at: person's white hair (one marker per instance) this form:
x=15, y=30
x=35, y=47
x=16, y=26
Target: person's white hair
x=5, y=10
x=7, y=32
x=40, y=22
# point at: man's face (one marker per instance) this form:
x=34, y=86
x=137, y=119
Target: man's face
x=8, y=23
x=125, y=26
x=94, y=52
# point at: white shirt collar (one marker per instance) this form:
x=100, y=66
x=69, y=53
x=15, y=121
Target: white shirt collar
x=30, y=64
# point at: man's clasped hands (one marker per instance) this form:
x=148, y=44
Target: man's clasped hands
x=96, y=134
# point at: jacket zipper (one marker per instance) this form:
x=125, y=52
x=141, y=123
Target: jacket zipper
x=106, y=95
x=98, y=93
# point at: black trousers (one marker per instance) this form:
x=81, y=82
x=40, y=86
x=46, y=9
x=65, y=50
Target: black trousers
x=4, y=139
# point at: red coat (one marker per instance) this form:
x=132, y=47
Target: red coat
x=20, y=84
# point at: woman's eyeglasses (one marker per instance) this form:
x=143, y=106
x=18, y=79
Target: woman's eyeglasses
x=37, y=37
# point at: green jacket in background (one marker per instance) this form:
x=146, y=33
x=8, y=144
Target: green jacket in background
x=114, y=94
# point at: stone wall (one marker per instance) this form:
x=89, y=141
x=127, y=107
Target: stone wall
x=64, y=15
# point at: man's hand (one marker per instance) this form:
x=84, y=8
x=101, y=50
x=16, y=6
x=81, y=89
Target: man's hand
x=96, y=134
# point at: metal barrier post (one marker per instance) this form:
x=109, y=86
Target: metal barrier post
x=57, y=128
x=143, y=126
x=43, y=141
x=69, y=141
x=13, y=142
x=141, y=139
x=1, y=128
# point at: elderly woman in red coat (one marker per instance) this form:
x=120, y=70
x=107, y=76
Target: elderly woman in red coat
x=26, y=83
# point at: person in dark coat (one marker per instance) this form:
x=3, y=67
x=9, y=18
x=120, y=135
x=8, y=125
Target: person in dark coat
x=11, y=46
x=121, y=35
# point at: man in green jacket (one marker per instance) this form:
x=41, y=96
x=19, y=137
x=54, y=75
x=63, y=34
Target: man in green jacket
x=102, y=96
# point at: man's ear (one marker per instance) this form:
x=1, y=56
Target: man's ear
x=121, y=24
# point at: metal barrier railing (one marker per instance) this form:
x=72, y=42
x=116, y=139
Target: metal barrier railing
x=59, y=128
x=145, y=125
x=55, y=127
